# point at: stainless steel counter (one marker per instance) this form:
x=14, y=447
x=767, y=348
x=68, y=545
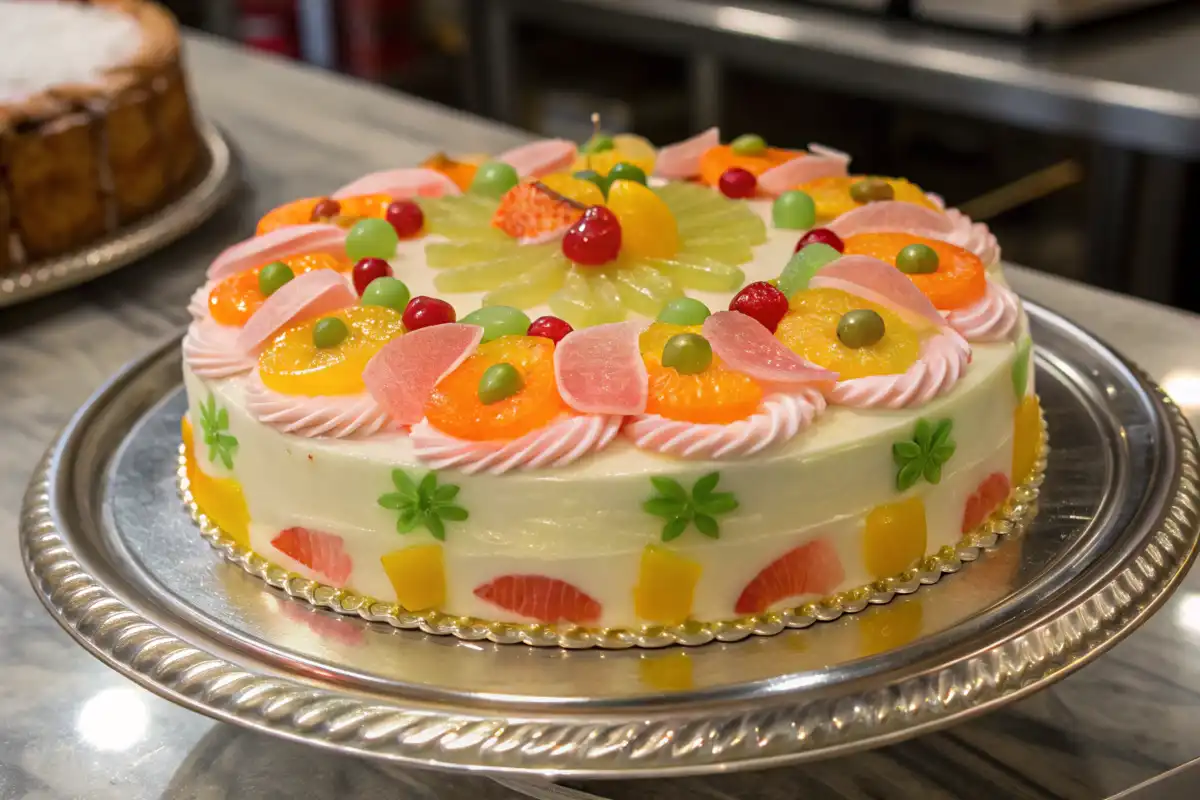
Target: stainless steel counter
x=71, y=728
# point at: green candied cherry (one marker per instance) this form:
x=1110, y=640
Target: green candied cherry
x=499, y=382
x=329, y=332
x=684, y=311
x=872, y=190
x=498, y=321
x=794, y=210
x=687, y=353
x=599, y=143
x=804, y=265
x=860, y=328
x=917, y=259
x=493, y=179
x=273, y=276
x=371, y=238
x=388, y=292
x=748, y=144
x=624, y=171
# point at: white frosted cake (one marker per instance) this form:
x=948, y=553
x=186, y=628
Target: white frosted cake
x=609, y=386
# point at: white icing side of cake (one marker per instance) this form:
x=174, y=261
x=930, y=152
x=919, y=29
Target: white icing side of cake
x=46, y=44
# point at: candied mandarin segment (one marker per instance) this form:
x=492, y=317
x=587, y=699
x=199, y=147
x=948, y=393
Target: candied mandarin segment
x=810, y=330
x=894, y=537
x=294, y=364
x=235, y=299
x=572, y=188
x=461, y=170
x=666, y=585
x=456, y=409
x=648, y=228
x=832, y=194
x=297, y=212
x=1027, y=438
x=959, y=280
x=418, y=576
x=714, y=396
x=716, y=160
x=528, y=211
x=373, y=206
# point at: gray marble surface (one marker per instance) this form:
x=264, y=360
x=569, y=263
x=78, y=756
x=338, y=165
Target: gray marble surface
x=71, y=728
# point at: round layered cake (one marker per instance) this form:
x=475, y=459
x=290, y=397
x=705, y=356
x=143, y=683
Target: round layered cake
x=95, y=125
x=609, y=387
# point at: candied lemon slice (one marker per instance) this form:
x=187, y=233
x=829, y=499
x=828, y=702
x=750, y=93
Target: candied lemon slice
x=627, y=147
x=810, y=330
x=832, y=195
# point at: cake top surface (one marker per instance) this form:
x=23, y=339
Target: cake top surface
x=46, y=44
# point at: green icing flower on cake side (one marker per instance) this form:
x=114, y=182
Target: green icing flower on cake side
x=425, y=503
x=700, y=507
x=924, y=454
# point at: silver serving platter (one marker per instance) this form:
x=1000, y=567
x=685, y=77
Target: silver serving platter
x=117, y=561
x=218, y=177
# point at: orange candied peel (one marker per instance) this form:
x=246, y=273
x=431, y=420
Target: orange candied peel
x=235, y=299
x=455, y=408
x=299, y=212
x=716, y=396
x=461, y=171
x=959, y=281
x=717, y=159
x=293, y=364
x=832, y=194
x=528, y=210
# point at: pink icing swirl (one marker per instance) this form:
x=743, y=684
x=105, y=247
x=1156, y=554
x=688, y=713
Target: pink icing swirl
x=557, y=444
x=975, y=237
x=992, y=318
x=211, y=352
x=778, y=419
x=198, y=302
x=943, y=361
x=352, y=416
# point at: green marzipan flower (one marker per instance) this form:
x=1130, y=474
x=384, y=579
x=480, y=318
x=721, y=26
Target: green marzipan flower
x=924, y=454
x=213, y=423
x=425, y=504
x=701, y=508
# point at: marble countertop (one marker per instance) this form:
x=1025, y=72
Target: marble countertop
x=72, y=728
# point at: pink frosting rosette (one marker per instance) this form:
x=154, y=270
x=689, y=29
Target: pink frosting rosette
x=210, y=351
x=352, y=416
x=991, y=318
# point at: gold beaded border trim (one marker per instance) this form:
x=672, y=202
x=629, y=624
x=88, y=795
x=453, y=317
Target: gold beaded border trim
x=1010, y=520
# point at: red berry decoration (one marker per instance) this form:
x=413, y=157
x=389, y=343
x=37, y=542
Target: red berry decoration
x=738, y=183
x=422, y=311
x=763, y=302
x=595, y=239
x=551, y=328
x=367, y=270
x=406, y=217
x=326, y=208
x=821, y=236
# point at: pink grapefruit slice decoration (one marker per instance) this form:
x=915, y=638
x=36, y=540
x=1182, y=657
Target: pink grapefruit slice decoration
x=308, y=295
x=293, y=240
x=402, y=375
x=540, y=158
x=401, y=184
x=746, y=346
x=681, y=160
x=321, y=552
x=893, y=216
x=879, y=282
x=810, y=569
x=599, y=370
x=541, y=598
x=791, y=174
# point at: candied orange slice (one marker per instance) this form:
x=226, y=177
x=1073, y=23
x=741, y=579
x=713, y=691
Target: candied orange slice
x=810, y=330
x=717, y=159
x=462, y=172
x=959, y=281
x=299, y=212
x=293, y=364
x=455, y=407
x=235, y=299
x=716, y=396
x=529, y=210
x=832, y=194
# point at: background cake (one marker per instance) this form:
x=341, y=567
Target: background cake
x=550, y=390
x=95, y=125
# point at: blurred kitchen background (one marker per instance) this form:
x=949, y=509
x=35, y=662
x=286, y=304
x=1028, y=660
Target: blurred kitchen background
x=1072, y=127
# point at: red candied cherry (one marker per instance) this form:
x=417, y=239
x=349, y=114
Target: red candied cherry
x=821, y=236
x=406, y=217
x=763, y=302
x=595, y=239
x=738, y=183
x=422, y=311
x=326, y=208
x=548, y=327
x=367, y=270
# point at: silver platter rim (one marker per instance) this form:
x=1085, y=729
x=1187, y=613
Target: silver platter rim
x=136, y=240
x=674, y=736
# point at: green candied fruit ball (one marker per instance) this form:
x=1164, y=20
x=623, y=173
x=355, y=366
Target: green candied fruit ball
x=803, y=265
x=624, y=171
x=493, y=179
x=860, y=328
x=498, y=321
x=917, y=259
x=687, y=353
x=599, y=143
x=329, y=332
x=748, y=144
x=684, y=311
x=595, y=177
x=499, y=382
x=371, y=238
x=388, y=292
x=794, y=210
x=273, y=276
x=872, y=190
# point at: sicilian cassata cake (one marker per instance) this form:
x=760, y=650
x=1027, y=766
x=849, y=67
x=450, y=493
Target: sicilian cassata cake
x=609, y=386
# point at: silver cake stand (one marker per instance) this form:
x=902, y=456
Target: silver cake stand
x=117, y=561
x=217, y=177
